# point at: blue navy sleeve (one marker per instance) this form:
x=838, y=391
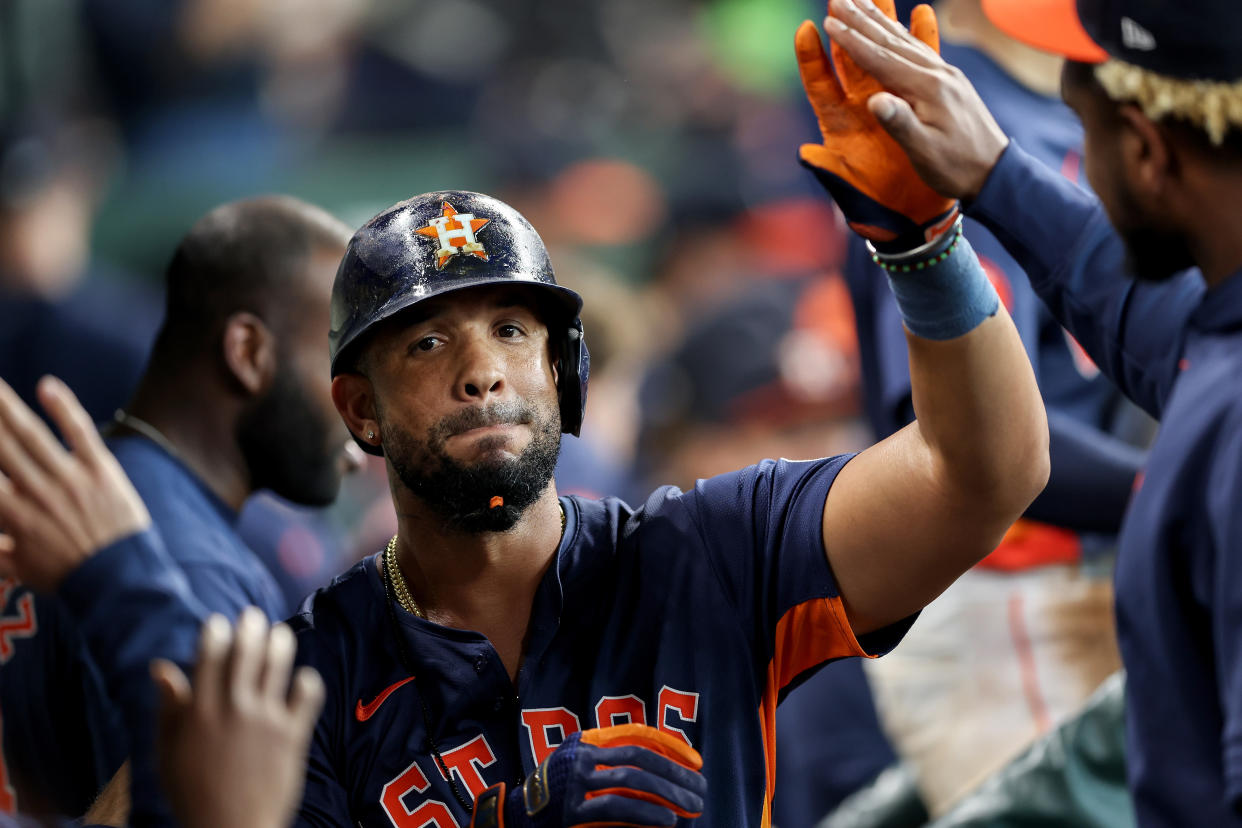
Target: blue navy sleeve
x=1225, y=525
x=1060, y=235
x=1092, y=477
x=762, y=529
x=133, y=604
x=221, y=589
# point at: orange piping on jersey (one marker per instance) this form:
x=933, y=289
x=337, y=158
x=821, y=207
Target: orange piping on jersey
x=807, y=634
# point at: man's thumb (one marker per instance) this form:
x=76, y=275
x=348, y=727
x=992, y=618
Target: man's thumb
x=171, y=684
x=894, y=114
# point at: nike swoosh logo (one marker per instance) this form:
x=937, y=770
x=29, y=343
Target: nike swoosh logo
x=366, y=711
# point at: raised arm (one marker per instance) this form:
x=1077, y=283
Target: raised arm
x=912, y=513
x=1056, y=231
x=906, y=517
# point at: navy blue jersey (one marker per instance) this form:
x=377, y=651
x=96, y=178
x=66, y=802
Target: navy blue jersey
x=297, y=545
x=62, y=741
x=693, y=614
x=199, y=531
x=1176, y=350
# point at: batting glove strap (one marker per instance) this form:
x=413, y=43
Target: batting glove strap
x=489, y=808
x=892, y=233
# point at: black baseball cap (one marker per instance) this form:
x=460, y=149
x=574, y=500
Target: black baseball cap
x=1188, y=39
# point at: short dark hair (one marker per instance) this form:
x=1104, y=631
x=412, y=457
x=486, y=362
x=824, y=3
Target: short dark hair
x=241, y=256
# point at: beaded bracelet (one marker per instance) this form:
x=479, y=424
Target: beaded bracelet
x=888, y=264
x=942, y=294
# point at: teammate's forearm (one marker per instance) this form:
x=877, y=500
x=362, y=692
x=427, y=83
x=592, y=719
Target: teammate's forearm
x=133, y=605
x=1076, y=262
x=1040, y=216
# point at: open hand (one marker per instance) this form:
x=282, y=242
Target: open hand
x=233, y=746
x=58, y=507
x=928, y=106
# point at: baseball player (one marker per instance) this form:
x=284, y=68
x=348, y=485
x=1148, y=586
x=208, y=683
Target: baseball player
x=1033, y=624
x=517, y=658
x=501, y=619
x=1156, y=85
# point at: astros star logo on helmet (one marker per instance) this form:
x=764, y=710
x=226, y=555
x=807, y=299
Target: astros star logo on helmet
x=455, y=233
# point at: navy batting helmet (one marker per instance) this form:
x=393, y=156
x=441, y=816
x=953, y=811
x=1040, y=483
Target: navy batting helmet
x=441, y=242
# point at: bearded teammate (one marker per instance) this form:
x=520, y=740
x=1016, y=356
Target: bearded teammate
x=523, y=659
x=1158, y=86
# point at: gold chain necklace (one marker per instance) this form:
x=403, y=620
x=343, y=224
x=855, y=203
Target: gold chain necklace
x=397, y=578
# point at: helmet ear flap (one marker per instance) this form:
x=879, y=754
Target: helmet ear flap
x=574, y=368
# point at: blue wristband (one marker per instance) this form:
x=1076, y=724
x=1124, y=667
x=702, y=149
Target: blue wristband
x=945, y=295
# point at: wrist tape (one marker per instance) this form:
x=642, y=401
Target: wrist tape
x=941, y=289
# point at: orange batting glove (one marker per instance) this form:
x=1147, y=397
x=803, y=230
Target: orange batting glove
x=865, y=171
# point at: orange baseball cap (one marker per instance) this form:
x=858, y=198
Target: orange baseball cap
x=1050, y=25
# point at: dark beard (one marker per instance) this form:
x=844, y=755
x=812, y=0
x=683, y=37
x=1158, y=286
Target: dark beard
x=1152, y=254
x=1155, y=256
x=462, y=494
x=285, y=444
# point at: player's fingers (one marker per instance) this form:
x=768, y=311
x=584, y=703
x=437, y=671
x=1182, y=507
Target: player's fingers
x=899, y=121
x=885, y=34
x=649, y=787
x=27, y=447
x=10, y=511
x=856, y=82
x=623, y=810
x=14, y=510
x=209, y=668
x=246, y=659
x=274, y=683
x=26, y=425
x=306, y=696
x=75, y=424
x=647, y=737
x=641, y=758
x=884, y=7
x=173, y=690
x=171, y=684
x=887, y=69
x=818, y=78
x=924, y=27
